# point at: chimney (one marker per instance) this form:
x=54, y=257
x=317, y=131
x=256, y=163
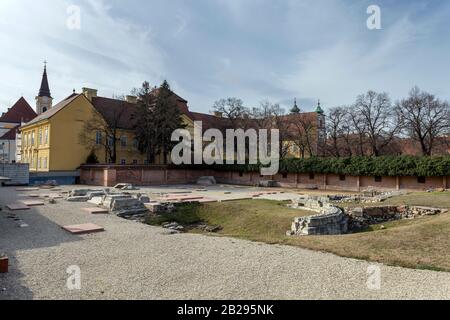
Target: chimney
x=218, y=114
x=89, y=93
x=131, y=99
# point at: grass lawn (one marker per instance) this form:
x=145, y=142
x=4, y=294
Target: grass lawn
x=427, y=199
x=420, y=243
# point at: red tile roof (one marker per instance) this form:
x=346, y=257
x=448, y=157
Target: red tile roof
x=52, y=111
x=120, y=112
x=10, y=135
x=20, y=112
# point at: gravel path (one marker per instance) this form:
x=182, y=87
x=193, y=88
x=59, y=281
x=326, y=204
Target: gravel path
x=134, y=261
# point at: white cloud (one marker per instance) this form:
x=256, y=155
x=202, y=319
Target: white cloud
x=109, y=53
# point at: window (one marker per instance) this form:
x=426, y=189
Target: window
x=46, y=136
x=98, y=138
x=45, y=163
x=135, y=162
x=39, y=163
x=123, y=141
x=146, y=162
x=40, y=137
x=311, y=176
x=123, y=162
x=32, y=138
x=342, y=177
x=421, y=180
x=285, y=175
x=135, y=143
x=378, y=179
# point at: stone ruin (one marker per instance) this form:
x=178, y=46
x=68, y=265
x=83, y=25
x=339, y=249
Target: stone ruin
x=125, y=187
x=330, y=219
x=206, y=181
x=83, y=195
x=267, y=184
x=121, y=204
x=361, y=218
x=367, y=196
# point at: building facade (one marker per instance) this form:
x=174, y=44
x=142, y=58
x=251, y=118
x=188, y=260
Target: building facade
x=10, y=122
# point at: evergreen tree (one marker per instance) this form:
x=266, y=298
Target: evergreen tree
x=158, y=116
x=167, y=119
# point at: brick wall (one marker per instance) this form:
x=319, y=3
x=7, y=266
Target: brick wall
x=19, y=173
x=157, y=175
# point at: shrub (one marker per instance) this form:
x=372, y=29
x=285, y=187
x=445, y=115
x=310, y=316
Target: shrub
x=353, y=166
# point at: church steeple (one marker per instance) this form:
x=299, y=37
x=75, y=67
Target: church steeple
x=44, y=91
x=295, y=108
x=319, y=109
x=44, y=99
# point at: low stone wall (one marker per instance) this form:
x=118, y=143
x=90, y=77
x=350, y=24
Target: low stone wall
x=19, y=173
x=110, y=175
x=360, y=218
x=332, y=222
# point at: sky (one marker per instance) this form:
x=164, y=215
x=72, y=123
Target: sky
x=256, y=50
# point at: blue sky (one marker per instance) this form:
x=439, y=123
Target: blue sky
x=210, y=49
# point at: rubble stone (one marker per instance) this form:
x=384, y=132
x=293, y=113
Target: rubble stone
x=207, y=181
x=127, y=207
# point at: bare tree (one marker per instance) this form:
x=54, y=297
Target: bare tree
x=335, y=129
x=102, y=130
x=233, y=109
x=375, y=118
x=303, y=133
x=357, y=126
x=426, y=118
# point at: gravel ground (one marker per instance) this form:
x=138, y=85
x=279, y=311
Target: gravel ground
x=134, y=261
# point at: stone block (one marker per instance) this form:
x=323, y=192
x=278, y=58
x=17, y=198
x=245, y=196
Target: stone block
x=128, y=207
x=207, y=181
x=83, y=228
x=267, y=183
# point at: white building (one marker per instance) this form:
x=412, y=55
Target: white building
x=10, y=122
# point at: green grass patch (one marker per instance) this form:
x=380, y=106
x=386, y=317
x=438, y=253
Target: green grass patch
x=422, y=243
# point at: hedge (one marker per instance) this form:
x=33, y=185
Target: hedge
x=353, y=166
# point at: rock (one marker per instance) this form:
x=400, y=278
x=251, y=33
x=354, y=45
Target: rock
x=98, y=201
x=144, y=199
x=213, y=229
x=267, y=183
x=127, y=207
x=108, y=200
x=382, y=227
x=207, y=181
x=78, y=199
x=125, y=186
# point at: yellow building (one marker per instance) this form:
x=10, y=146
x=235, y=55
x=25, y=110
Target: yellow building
x=52, y=141
x=59, y=139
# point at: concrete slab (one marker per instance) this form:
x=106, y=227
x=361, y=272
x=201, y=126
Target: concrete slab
x=17, y=207
x=32, y=203
x=52, y=196
x=83, y=228
x=27, y=189
x=96, y=210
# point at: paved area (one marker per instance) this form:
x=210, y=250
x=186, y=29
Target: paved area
x=134, y=261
